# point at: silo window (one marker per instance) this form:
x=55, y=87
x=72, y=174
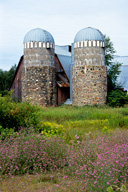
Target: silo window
x=85, y=43
x=27, y=45
x=44, y=45
x=48, y=46
x=94, y=43
x=81, y=43
x=31, y=44
x=35, y=44
x=98, y=43
x=39, y=44
x=89, y=43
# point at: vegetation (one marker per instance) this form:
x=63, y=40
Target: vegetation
x=5, y=79
x=117, y=98
x=67, y=148
x=95, y=163
x=15, y=115
x=113, y=69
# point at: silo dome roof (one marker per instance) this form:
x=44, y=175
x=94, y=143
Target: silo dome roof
x=89, y=34
x=38, y=35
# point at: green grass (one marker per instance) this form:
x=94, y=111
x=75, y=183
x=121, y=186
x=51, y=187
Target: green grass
x=86, y=122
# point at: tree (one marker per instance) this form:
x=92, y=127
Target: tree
x=113, y=69
x=115, y=96
x=5, y=79
x=10, y=75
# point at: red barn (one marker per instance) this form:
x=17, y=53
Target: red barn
x=62, y=61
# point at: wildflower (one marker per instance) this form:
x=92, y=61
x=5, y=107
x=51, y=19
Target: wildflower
x=76, y=136
x=57, y=185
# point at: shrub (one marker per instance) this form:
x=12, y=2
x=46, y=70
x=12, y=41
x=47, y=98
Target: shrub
x=14, y=115
x=7, y=133
x=50, y=129
x=117, y=98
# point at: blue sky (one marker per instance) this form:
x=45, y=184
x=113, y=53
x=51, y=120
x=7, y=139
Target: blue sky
x=63, y=19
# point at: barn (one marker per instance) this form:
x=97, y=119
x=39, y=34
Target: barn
x=50, y=75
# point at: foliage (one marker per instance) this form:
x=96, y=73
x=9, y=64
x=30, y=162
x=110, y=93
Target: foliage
x=112, y=188
x=51, y=129
x=14, y=115
x=7, y=133
x=78, y=119
x=81, y=145
x=5, y=79
x=113, y=69
x=30, y=153
x=117, y=98
x=95, y=163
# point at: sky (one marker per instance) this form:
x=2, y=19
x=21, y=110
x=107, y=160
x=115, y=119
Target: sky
x=63, y=19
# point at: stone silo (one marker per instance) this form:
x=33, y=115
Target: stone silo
x=89, y=73
x=39, y=74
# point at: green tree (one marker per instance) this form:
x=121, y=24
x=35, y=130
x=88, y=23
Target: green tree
x=113, y=68
x=10, y=75
x=5, y=79
x=115, y=96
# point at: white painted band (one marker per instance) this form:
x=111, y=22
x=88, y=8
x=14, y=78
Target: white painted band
x=89, y=44
x=38, y=45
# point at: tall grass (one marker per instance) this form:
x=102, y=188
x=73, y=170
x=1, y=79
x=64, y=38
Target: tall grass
x=14, y=115
x=85, y=148
x=95, y=163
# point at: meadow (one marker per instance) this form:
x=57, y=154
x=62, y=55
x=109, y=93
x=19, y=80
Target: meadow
x=66, y=148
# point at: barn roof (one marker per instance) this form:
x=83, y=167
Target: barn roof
x=65, y=58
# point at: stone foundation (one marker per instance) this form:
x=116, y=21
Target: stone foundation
x=89, y=85
x=39, y=85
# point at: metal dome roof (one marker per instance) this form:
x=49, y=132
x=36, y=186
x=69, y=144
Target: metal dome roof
x=89, y=34
x=38, y=35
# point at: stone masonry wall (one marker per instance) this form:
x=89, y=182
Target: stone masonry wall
x=89, y=76
x=39, y=85
x=89, y=56
x=89, y=85
x=38, y=57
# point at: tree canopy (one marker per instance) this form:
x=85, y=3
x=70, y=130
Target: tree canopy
x=113, y=68
x=6, y=78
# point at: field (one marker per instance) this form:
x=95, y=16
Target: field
x=67, y=148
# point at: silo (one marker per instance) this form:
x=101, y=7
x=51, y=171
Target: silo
x=89, y=73
x=39, y=74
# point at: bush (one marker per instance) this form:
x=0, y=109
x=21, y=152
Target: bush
x=7, y=133
x=14, y=115
x=117, y=98
x=50, y=129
